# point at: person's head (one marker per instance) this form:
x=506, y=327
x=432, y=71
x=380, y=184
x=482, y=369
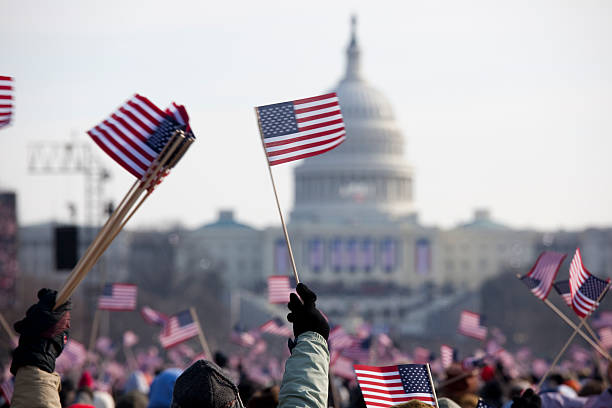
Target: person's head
x=591, y=387
x=102, y=399
x=205, y=385
x=460, y=381
x=86, y=381
x=266, y=398
x=160, y=394
x=412, y=404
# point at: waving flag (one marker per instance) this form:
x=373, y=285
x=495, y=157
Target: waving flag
x=137, y=132
x=152, y=316
x=279, y=289
x=447, y=355
x=276, y=327
x=563, y=289
x=585, y=288
x=302, y=128
x=118, y=296
x=469, y=325
x=392, y=385
x=541, y=276
x=180, y=327
x=243, y=338
x=6, y=100
x=605, y=337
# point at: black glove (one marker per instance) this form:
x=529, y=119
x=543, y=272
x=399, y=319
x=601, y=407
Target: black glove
x=304, y=315
x=529, y=399
x=43, y=333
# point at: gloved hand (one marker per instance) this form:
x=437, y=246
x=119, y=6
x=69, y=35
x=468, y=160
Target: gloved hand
x=43, y=333
x=529, y=399
x=304, y=315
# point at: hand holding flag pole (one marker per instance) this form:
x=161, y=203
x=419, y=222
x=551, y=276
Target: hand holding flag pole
x=147, y=142
x=295, y=130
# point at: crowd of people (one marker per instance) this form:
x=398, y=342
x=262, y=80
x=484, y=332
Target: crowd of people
x=491, y=379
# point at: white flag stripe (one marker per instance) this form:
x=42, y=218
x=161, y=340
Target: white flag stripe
x=380, y=387
x=143, y=160
x=377, y=373
x=303, y=133
x=315, y=103
x=335, y=108
x=320, y=120
x=304, y=142
x=305, y=151
x=116, y=119
x=126, y=160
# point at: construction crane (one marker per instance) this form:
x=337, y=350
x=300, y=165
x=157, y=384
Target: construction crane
x=61, y=158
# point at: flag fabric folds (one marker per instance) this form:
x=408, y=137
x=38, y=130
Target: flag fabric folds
x=6, y=100
x=301, y=128
x=541, y=276
x=563, y=289
x=392, y=385
x=152, y=316
x=447, y=355
x=276, y=327
x=584, y=287
x=118, y=296
x=137, y=132
x=180, y=327
x=469, y=325
x=279, y=289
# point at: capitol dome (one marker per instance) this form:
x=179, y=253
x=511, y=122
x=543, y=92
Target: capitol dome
x=366, y=179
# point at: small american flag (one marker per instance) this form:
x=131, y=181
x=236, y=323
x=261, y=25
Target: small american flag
x=563, y=289
x=279, y=289
x=276, y=327
x=118, y=296
x=137, y=132
x=469, y=325
x=152, y=316
x=302, y=128
x=447, y=355
x=180, y=327
x=6, y=100
x=6, y=388
x=585, y=288
x=605, y=337
x=339, y=339
x=541, y=276
x=392, y=385
x=243, y=338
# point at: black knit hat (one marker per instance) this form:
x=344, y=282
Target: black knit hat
x=205, y=385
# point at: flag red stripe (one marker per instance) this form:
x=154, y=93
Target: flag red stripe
x=6, y=88
x=319, y=116
x=136, y=119
x=114, y=156
x=6, y=96
x=302, y=156
x=314, y=108
x=314, y=98
x=128, y=139
x=318, y=125
x=120, y=146
x=5, y=78
x=150, y=104
x=305, y=146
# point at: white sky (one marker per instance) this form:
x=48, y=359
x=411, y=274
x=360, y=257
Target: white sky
x=504, y=104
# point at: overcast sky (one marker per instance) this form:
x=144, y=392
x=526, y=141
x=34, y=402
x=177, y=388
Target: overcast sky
x=503, y=104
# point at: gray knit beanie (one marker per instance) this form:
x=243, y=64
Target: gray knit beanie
x=204, y=385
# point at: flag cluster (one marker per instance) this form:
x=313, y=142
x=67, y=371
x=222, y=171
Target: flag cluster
x=137, y=132
x=6, y=100
x=301, y=128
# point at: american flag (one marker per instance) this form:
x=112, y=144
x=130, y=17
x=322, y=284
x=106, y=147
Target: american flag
x=6, y=100
x=482, y=404
x=279, y=289
x=243, y=338
x=339, y=339
x=341, y=366
x=180, y=327
x=137, y=132
x=584, y=287
x=563, y=289
x=152, y=316
x=605, y=337
x=541, y=276
x=447, y=355
x=469, y=325
x=118, y=296
x=302, y=128
x=276, y=327
x=392, y=385
x=6, y=388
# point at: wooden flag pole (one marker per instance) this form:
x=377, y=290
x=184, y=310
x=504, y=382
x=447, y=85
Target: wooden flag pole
x=567, y=320
x=431, y=384
x=593, y=334
x=94, y=330
x=7, y=328
x=571, y=338
x=203, y=341
x=280, y=212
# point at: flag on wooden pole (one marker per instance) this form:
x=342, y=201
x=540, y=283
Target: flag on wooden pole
x=563, y=289
x=180, y=327
x=118, y=297
x=470, y=325
x=279, y=289
x=6, y=100
x=542, y=275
